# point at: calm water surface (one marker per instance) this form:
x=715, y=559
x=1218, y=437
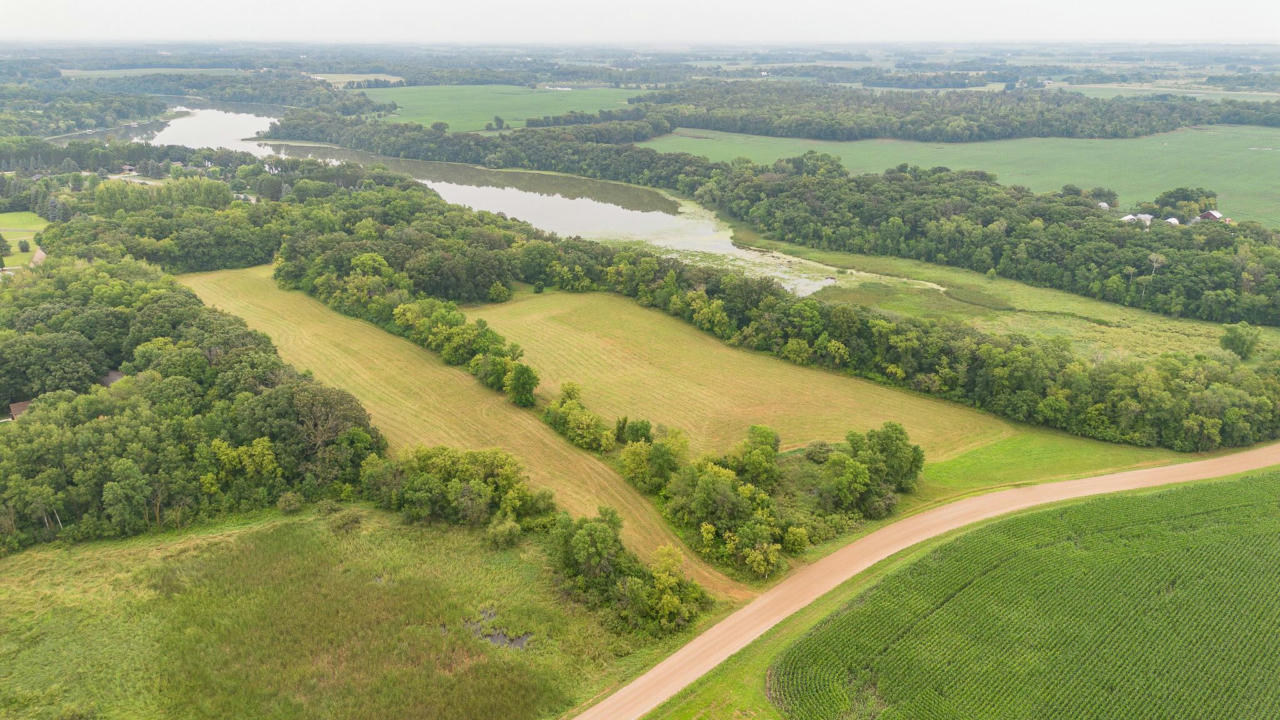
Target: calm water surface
x=565, y=205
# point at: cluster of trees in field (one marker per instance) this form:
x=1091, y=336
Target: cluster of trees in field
x=207, y=419
x=1177, y=401
x=832, y=112
x=747, y=509
x=488, y=489
x=27, y=110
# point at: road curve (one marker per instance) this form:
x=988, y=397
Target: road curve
x=813, y=581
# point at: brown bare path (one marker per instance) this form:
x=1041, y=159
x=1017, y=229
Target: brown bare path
x=813, y=581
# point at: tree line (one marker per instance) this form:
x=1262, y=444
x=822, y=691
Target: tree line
x=1176, y=401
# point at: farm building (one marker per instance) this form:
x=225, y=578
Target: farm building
x=1210, y=215
x=16, y=409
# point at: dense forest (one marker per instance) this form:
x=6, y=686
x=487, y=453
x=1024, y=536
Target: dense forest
x=833, y=112
x=363, y=251
x=207, y=420
x=27, y=110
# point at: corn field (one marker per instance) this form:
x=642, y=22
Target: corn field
x=1160, y=605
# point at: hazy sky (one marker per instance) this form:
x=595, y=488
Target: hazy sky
x=650, y=22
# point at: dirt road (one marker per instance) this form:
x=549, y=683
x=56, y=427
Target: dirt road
x=813, y=581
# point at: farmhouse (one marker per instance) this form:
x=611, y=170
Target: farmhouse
x=1210, y=215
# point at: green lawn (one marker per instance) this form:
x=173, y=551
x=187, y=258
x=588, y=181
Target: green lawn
x=1155, y=603
x=285, y=617
x=1242, y=163
x=469, y=107
x=15, y=226
x=1004, y=306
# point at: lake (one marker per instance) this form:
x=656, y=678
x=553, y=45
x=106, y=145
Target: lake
x=566, y=205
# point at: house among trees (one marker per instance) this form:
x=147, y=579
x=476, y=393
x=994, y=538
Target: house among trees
x=1210, y=215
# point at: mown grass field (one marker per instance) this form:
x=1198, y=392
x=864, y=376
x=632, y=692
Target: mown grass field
x=1171, y=611
x=1241, y=163
x=469, y=107
x=15, y=226
x=1000, y=305
x=1193, y=530
x=284, y=617
x=643, y=363
x=415, y=398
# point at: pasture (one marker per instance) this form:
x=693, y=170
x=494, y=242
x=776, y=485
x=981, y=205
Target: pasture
x=1170, y=611
x=1003, y=306
x=1241, y=163
x=469, y=107
x=15, y=226
x=645, y=364
x=414, y=398
x=287, y=617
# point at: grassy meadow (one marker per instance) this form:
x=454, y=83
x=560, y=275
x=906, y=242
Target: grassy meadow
x=999, y=305
x=469, y=107
x=292, y=617
x=15, y=226
x=415, y=398
x=643, y=363
x=1187, y=611
x=1241, y=163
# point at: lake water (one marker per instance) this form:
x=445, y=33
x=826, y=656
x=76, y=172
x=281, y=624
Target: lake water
x=566, y=205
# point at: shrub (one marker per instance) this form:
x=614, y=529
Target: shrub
x=345, y=522
x=24, y=246
x=289, y=503
x=503, y=533
x=327, y=507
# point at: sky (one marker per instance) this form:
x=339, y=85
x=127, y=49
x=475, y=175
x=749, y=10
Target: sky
x=642, y=22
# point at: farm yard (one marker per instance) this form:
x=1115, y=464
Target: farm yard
x=982, y=626
x=207, y=623
x=415, y=398
x=471, y=107
x=1241, y=163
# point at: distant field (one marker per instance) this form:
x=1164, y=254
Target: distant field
x=274, y=617
x=15, y=226
x=643, y=363
x=1150, y=606
x=1008, y=306
x=1110, y=91
x=131, y=72
x=415, y=398
x=341, y=79
x=469, y=107
x=1242, y=163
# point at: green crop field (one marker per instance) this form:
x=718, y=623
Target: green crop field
x=741, y=687
x=15, y=226
x=1150, y=606
x=469, y=107
x=643, y=363
x=1242, y=163
x=1196, y=91
x=1005, y=306
x=285, y=617
x=415, y=398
